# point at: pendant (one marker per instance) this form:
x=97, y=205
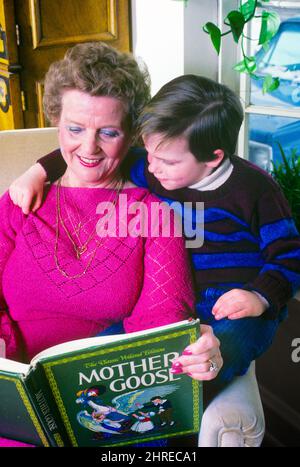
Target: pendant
x=80, y=251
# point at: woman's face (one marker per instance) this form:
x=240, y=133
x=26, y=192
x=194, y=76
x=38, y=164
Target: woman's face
x=93, y=137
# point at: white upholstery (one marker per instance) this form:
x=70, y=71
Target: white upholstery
x=19, y=149
x=235, y=418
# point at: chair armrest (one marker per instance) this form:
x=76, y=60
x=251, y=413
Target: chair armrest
x=235, y=417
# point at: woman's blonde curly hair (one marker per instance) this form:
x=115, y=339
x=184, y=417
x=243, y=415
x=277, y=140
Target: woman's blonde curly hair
x=99, y=70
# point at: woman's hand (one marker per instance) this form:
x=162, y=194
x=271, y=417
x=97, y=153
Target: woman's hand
x=27, y=190
x=201, y=360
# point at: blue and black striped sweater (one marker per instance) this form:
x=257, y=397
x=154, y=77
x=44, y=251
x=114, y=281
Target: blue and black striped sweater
x=250, y=238
x=250, y=242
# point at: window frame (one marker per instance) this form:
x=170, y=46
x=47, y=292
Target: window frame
x=240, y=83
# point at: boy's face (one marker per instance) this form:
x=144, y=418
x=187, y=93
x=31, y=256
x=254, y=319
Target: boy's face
x=172, y=163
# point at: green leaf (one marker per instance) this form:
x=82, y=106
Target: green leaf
x=270, y=84
x=215, y=35
x=236, y=22
x=266, y=46
x=269, y=26
x=247, y=65
x=248, y=9
x=284, y=158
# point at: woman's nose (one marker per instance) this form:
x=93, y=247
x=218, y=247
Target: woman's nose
x=90, y=145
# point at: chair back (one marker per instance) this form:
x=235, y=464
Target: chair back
x=19, y=149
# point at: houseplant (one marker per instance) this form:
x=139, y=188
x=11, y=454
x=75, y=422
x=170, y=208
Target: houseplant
x=287, y=175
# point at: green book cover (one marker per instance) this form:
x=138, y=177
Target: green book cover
x=18, y=418
x=119, y=390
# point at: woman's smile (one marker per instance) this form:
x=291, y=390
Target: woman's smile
x=88, y=162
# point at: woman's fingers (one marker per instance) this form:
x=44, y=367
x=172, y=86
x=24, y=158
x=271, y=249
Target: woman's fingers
x=201, y=360
x=206, y=370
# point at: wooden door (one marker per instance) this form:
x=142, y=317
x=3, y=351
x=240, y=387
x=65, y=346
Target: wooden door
x=47, y=28
x=11, y=115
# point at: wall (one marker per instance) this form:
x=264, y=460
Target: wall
x=278, y=376
x=168, y=36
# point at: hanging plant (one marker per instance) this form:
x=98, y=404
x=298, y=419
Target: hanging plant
x=236, y=21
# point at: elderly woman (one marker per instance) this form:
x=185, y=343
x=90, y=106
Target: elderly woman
x=61, y=277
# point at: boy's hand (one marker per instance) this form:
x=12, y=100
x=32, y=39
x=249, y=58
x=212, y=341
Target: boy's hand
x=237, y=304
x=27, y=190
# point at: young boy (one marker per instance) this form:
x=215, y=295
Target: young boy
x=249, y=265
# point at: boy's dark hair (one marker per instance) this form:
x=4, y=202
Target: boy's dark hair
x=209, y=114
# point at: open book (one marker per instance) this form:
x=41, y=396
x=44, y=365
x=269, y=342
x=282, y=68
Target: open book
x=103, y=391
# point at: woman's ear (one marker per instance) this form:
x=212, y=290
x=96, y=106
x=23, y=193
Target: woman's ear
x=219, y=156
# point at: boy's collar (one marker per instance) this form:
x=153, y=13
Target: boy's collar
x=216, y=178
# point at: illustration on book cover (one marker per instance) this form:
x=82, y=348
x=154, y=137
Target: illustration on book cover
x=139, y=411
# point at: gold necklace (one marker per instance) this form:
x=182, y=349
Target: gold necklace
x=83, y=247
x=78, y=224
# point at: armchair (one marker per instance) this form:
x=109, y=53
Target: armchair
x=235, y=417
x=20, y=149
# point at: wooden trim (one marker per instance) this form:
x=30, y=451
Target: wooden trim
x=9, y=49
x=11, y=115
x=40, y=112
x=38, y=41
x=112, y=18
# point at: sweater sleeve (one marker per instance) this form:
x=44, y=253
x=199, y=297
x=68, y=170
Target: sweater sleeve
x=135, y=166
x=10, y=219
x=53, y=164
x=279, y=278
x=137, y=169
x=167, y=294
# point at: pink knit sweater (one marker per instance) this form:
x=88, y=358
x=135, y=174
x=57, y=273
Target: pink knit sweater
x=144, y=282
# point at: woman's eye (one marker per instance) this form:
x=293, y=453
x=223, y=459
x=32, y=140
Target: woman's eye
x=107, y=133
x=74, y=129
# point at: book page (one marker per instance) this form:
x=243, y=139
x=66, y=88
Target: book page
x=12, y=366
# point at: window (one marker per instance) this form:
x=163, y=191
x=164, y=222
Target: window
x=273, y=117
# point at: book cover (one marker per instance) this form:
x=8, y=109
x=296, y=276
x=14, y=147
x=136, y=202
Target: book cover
x=111, y=391
x=18, y=419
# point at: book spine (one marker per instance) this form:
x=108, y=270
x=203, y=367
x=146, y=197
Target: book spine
x=42, y=399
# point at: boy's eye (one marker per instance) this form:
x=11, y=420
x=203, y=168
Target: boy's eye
x=169, y=163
